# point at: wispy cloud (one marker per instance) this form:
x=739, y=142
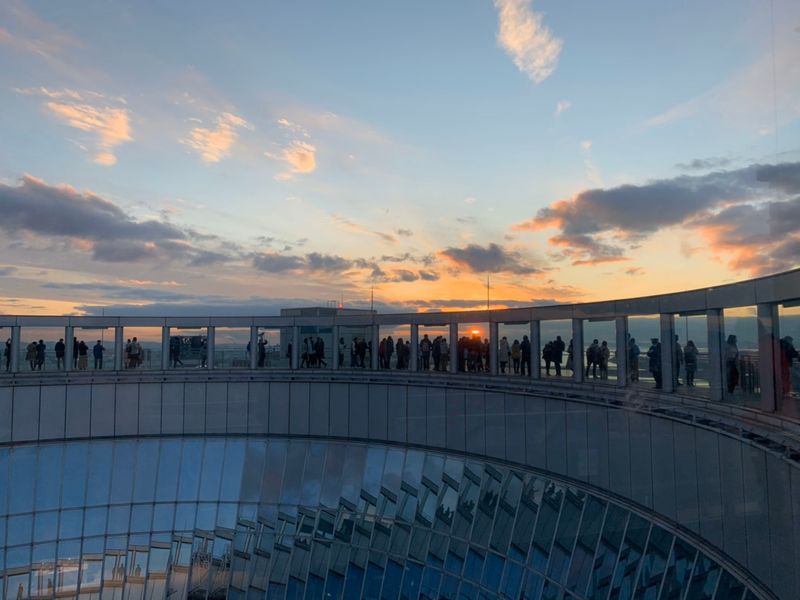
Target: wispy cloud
x=300, y=158
x=531, y=45
x=562, y=106
x=215, y=144
x=350, y=225
x=92, y=112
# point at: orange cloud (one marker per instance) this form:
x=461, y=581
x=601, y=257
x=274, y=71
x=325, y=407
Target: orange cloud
x=214, y=144
x=301, y=158
x=110, y=125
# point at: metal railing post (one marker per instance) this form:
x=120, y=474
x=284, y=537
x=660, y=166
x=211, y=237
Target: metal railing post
x=69, y=348
x=715, y=322
x=623, y=369
x=453, y=348
x=119, y=347
x=536, y=350
x=413, y=358
x=494, y=331
x=577, y=350
x=15, y=348
x=253, y=347
x=769, y=357
x=211, y=338
x=165, y=348
x=668, y=363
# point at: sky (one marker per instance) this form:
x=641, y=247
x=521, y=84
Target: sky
x=240, y=157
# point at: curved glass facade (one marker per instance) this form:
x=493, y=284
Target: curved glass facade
x=255, y=518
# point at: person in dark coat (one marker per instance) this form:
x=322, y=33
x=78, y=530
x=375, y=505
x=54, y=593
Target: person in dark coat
x=558, y=354
x=60, y=348
x=654, y=354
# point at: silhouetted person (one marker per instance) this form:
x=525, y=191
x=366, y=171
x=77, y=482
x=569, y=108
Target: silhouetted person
x=7, y=354
x=97, y=352
x=677, y=361
x=75, y=353
x=204, y=354
x=304, y=355
x=83, y=356
x=516, y=356
x=262, y=353
x=342, y=347
x=605, y=354
x=731, y=363
x=633, y=359
x=30, y=355
x=175, y=351
x=319, y=352
x=547, y=356
x=40, y=352
x=690, y=360
x=525, y=351
x=654, y=354
x=592, y=358
x=503, y=353
x=558, y=353
x=60, y=348
x=425, y=347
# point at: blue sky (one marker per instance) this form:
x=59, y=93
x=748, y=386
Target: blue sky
x=311, y=150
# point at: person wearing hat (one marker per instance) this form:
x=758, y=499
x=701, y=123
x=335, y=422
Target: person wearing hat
x=654, y=354
x=788, y=354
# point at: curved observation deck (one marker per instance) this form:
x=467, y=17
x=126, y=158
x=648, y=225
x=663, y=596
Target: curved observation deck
x=704, y=481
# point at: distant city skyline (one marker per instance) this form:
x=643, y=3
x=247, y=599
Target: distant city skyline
x=226, y=159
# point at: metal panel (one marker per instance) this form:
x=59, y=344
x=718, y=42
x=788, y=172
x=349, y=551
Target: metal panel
x=756, y=511
x=194, y=408
x=172, y=408
x=597, y=445
x=733, y=522
x=683, y=302
x=556, y=436
x=641, y=459
x=78, y=411
x=103, y=402
x=785, y=563
x=319, y=407
x=709, y=485
x=6, y=398
x=238, y=392
x=536, y=431
x=663, y=449
x=475, y=421
x=52, y=403
x=796, y=527
x=619, y=452
x=495, y=425
x=378, y=407
x=435, y=423
x=577, y=441
x=298, y=408
x=397, y=419
x=126, y=415
x=25, y=416
x=339, y=409
x=216, y=407
x=149, y=408
x=258, y=407
x=734, y=294
x=515, y=428
x=279, y=408
x=359, y=410
x=456, y=420
x=417, y=415
x=687, y=511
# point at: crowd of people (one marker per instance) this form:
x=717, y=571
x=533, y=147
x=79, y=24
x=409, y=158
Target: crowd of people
x=471, y=353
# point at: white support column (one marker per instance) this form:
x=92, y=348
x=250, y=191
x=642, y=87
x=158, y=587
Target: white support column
x=15, y=348
x=119, y=348
x=453, y=348
x=715, y=322
x=165, y=357
x=294, y=362
x=494, y=340
x=536, y=350
x=210, y=344
x=577, y=350
x=769, y=357
x=69, y=348
x=622, y=352
x=667, y=327
x=253, y=347
x=376, y=342
x=335, y=348
x=413, y=364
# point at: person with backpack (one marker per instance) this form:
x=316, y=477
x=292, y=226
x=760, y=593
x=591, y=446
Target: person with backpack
x=425, y=347
x=97, y=352
x=633, y=359
x=605, y=355
x=592, y=358
x=525, y=351
x=503, y=354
